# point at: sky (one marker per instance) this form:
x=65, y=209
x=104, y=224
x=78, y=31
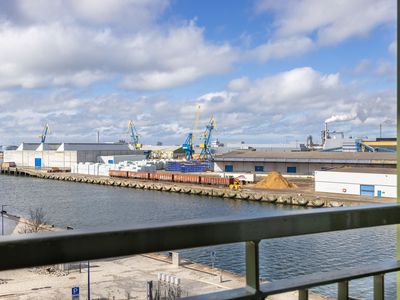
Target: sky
x=268, y=71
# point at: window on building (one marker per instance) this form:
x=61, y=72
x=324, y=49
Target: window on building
x=291, y=170
x=367, y=190
x=228, y=168
x=259, y=168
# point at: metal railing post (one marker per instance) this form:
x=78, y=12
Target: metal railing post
x=252, y=267
x=343, y=290
x=379, y=287
x=303, y=294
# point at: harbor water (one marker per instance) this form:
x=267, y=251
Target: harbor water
x=83, y=206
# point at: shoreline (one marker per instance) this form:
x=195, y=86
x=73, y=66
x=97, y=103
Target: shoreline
x=283, y=197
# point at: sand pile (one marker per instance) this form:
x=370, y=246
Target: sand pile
x=275, y=180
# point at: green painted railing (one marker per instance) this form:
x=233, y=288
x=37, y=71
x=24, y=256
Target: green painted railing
x=69, y=246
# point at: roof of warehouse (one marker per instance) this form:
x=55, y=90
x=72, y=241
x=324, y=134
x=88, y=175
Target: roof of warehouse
x=161, y=148
x=47, y=146
x=34, y=146
x=311, y=156
x=364, y=170
x=93, y=147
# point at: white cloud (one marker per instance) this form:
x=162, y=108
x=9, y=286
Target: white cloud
x=37, y=52
x=331, y=21
x=160, y=80
x=362, y=66
x=239, y=84
x=295, y=103
x=281, y=48
x=393, y=47
x=185, y=57
x=298, y=102
x=135, y=13
x=75, y=43
x=385, y=68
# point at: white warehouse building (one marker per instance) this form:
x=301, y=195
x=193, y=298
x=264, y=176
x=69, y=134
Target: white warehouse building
x=300, y=163
x=63, y=155
x=374, y=182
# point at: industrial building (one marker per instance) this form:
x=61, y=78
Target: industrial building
x=284, y=147
x=304, y=163
x=378, y=182
x=164, y=152
x=62, y=155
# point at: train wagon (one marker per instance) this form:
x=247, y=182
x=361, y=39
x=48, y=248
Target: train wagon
x=173, y=177
x=186, y=178
x=139, y=175
x=162, y=176
x=212, y=180
x=118, y=173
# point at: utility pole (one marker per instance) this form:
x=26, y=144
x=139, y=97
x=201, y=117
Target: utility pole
x=88, y=279
x=2, y=218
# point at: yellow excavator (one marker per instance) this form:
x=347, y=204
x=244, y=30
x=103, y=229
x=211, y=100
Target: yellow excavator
x=236, y=185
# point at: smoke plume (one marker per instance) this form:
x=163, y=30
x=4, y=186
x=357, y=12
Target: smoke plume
x=341, y=117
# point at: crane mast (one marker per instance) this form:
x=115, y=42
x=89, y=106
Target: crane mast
x=44, y=133
x=134, y=136
x=205, y=153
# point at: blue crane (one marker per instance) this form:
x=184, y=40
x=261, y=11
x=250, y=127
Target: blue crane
x=134, y=136
x=44, y=133
x=188, y=145
x=205, y=153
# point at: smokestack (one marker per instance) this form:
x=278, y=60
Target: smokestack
x=98, y=136
x=326, y=131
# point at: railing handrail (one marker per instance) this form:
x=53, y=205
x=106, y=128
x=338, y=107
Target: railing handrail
x=77, y=245
x=305, y=282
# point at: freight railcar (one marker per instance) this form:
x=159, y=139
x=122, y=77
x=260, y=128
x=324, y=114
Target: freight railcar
x=173, y=177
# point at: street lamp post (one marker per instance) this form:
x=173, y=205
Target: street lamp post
x=2, y=218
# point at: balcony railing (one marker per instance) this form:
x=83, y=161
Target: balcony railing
x=78, y=245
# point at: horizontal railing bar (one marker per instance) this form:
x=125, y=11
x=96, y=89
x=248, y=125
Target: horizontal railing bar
x=232, y=294
x=324, y=278
x=304, y=282
x=77, y=245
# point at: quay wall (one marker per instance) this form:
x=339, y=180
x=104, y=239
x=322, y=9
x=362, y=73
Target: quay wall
x=173, y=187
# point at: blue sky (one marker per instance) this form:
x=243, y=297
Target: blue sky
x=265, y=69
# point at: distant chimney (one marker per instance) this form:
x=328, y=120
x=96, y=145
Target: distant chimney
x=326, y=131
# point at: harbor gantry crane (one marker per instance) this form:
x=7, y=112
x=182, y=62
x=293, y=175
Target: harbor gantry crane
x=205, y=153
x=188, y=145
x=44, y=133
x=134, y=136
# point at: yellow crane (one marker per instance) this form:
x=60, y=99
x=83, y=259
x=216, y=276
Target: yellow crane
x=134, y=136
x=188, y=145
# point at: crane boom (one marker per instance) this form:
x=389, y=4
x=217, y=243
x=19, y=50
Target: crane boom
x=134, y=136
x=205, y=153
x=196, y=123
x=44, y=133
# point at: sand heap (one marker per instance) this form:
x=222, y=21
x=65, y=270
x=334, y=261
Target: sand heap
x=275, y=180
